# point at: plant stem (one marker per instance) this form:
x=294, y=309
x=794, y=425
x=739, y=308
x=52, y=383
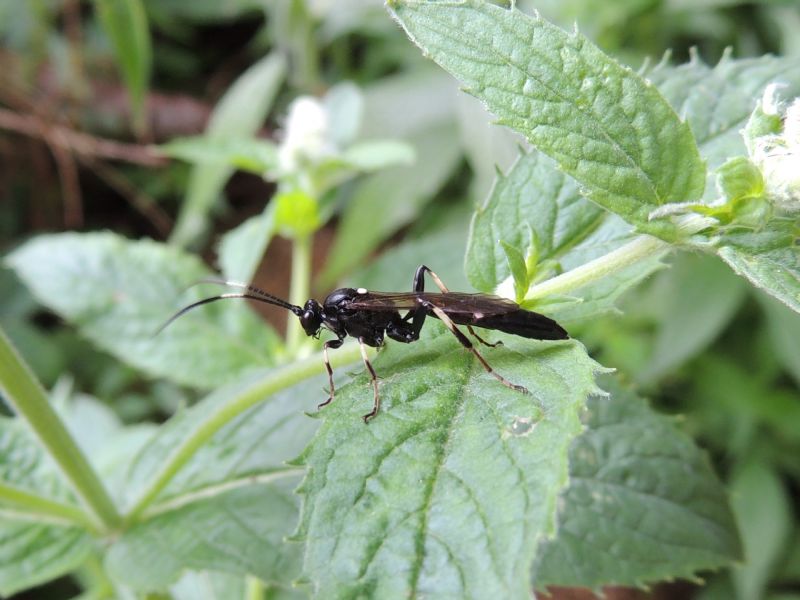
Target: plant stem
x=275, y=381
x=300, y=290
x=254, y=588
x=637, y=249
x=26, y=395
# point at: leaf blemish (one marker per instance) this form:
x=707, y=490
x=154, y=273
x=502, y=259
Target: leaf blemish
x=521, y=426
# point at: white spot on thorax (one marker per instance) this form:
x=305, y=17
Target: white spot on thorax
x=361, y=290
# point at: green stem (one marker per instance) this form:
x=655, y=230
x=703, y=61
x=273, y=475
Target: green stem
x=254, y=588
x=300, y=290
x=637, y=249
x=275, y=381
x=43, y=508
x=23, y=391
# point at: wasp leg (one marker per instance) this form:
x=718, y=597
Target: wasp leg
x=468, y=345
x=376, y=405
x=419, y=286
x=329, y=344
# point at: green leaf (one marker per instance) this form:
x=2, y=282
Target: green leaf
x=696, y=301
x=519, y=270
x=735, y=86
x=643, y=504
x=125, y=22
x=241, y=249
x=239, y=114
x=248, y=154
x=532, y=197
x=763, y=511
x=739, y=178
x=32, y=554
x=239, y=531
x=447, y=491
x=118, y=293
x=602, y=123
x=378, y=154
x=769, y=259
x=257, y=442
x=536, y=205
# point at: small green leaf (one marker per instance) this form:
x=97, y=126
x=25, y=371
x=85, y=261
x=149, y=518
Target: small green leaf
x=241, y=249
x=248, y=154
x=378, y=154
x=239, y=114
x=449, y=489
x=119, y=292
x=643, y=503
x=296, y=214
x=519, y=270
x=769, y=259
x=739, y=178
x=125, y=23
x=601, y=122
x=240, y=531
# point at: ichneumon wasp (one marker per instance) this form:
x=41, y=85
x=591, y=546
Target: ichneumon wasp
x=369, y=316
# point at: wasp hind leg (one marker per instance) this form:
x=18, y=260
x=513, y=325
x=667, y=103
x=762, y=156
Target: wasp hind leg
x=469, y=346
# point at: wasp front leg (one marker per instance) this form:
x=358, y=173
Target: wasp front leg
x=334, y=344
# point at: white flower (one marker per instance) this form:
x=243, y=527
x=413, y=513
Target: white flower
x=307, y=136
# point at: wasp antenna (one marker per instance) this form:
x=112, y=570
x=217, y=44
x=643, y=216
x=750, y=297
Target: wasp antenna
x=253, y=290
x=269, y=300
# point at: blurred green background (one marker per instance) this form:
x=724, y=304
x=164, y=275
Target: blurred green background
x=87, y=88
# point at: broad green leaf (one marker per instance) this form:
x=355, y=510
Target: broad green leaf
x=763, y=511
x=643, y=504
x=449, y=489
x=241, y=249
x=248, y=154
x=769, y=259
x=119, y=292
x=255, y=443
x=241, y=531
x=32, y=554
x=207, y=585
x=239, y=114
x=537, y=208
x=602, y=123
x=125, y=22
x=696, y=301
x=784, y=331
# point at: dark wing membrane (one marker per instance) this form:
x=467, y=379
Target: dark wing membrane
x=453, y=303
x=479, y=310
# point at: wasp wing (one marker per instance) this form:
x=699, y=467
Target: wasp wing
x=478, y=310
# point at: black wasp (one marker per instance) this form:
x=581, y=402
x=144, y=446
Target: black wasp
x=369, y=316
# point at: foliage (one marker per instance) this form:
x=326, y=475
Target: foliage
x=460, y=487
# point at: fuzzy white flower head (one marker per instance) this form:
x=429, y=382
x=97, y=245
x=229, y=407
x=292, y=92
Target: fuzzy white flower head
x=307, y=134
x=778, y=155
